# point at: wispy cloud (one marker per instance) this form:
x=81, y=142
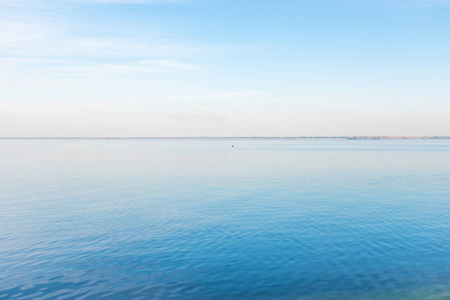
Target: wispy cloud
x=146, y=66
x=43, y=48
x=17, y=33
x=32, y=72
x=18, y=3
x=132, y=1
x=16, y=61
x=35, y=3
x=168, y=64
x=38, y=38
x=446, y=2
x=422, y=3
x=238, y=94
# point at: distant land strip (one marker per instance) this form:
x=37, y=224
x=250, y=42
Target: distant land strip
x=426, y=137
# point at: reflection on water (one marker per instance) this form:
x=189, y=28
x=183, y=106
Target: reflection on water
x=200, y=219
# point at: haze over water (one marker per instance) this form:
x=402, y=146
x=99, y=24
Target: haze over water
x=201, y=220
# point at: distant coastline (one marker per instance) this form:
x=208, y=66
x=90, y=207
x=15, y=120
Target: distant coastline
x=241, y=138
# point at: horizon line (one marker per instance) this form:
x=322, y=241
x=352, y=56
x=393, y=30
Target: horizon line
x=369, y=137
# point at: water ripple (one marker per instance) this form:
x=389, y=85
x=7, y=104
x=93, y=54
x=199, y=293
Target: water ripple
x=265, y=220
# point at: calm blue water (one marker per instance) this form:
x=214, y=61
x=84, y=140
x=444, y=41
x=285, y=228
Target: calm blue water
x=90, y=219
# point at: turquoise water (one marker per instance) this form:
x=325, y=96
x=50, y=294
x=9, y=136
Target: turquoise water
x=90, y=219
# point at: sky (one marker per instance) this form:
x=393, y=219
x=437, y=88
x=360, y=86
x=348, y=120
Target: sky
x=136, y=68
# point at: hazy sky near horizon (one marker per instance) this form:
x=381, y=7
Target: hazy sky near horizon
x=224, y=67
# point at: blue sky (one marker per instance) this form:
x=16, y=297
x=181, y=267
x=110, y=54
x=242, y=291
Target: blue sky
x=224, y=67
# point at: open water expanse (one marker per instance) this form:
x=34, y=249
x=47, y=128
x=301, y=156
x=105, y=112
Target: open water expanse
x=143, y=219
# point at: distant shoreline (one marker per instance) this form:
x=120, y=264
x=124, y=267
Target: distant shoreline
x=240, y=138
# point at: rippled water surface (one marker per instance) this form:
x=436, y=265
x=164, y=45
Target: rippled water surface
x=123, y=219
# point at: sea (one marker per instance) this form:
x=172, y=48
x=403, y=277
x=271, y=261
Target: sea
x=200, y=219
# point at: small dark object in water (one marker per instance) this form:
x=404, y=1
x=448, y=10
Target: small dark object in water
x=232, y=146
